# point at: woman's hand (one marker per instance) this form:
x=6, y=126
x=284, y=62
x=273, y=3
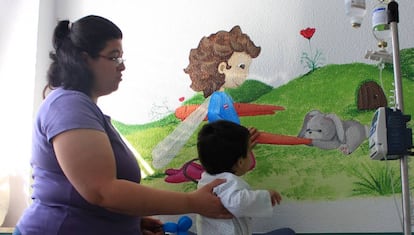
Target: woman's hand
x=151, y=226
x=206, y=203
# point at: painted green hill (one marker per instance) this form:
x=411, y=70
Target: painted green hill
x=299, y=172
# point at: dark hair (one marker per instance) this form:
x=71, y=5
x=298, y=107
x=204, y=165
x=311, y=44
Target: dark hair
x=220, y=144
x=69, y=69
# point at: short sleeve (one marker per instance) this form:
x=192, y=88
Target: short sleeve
x=71, y=110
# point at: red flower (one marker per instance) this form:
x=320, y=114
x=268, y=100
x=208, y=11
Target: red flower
x=308, y=32
x=181, y=99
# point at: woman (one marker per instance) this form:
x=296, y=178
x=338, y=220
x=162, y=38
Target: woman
x=85, y=179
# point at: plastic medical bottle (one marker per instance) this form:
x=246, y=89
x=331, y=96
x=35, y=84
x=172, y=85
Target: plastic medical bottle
x=380, y=26
x=356, y=10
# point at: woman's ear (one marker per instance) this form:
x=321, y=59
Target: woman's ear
x=222, y=67
x=85, y=56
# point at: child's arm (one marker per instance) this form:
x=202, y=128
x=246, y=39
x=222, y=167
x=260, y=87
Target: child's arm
x=241, y=201
x=251, y=203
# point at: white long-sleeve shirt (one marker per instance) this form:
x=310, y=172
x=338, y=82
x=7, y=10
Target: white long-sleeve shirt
x=243, y=202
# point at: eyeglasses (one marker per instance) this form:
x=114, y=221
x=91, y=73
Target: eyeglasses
x=118, y=60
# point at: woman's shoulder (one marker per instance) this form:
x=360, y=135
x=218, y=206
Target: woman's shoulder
x=68, y=104
x=66, y=109
x=64, y=94
x=68, y=99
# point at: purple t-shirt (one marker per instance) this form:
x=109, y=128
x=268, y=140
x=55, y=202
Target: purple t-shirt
x=57, y=207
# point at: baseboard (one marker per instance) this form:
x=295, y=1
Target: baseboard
x=6, y=230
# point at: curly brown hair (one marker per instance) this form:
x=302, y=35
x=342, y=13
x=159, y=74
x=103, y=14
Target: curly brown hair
x=213, y=50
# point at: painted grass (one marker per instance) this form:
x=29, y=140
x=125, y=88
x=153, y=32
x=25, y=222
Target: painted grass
x=298, y=172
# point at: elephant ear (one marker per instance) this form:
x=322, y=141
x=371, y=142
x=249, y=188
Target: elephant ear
x=308, y=117
x=340, y=131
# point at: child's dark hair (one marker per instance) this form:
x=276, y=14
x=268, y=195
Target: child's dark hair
x=220, y=144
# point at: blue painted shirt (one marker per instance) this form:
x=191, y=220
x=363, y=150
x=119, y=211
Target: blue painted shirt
x=221, y=107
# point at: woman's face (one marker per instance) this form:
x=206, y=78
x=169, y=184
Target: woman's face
x=237, y=74
x=107, y=69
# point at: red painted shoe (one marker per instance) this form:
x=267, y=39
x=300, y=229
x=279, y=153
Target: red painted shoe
x=190, y=171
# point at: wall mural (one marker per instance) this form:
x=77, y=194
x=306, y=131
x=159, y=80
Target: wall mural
x=220, y=62
x=313, y=145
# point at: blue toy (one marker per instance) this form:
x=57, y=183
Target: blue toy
x=180, y=228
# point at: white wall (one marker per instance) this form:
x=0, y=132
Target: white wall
x=159, y=34
x=46, y=23
x=18, y=23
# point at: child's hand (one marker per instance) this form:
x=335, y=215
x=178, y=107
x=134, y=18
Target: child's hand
x=254, y=133
x=275, y=197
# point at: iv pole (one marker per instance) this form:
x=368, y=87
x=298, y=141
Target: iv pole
x=399, y=104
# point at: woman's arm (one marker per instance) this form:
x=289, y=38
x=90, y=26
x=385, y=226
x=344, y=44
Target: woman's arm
x=87, y=159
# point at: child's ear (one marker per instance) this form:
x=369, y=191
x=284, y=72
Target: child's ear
x=240, y=162
x=237, y=165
